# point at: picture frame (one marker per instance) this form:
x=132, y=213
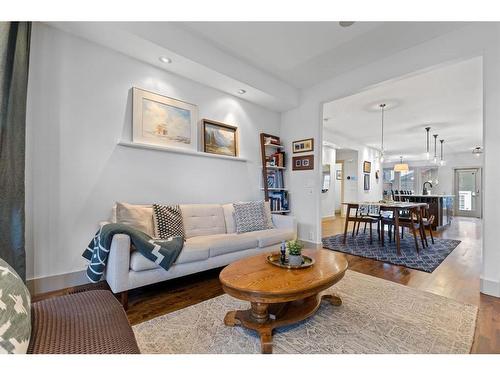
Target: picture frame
x=303, y=145
x=366, y=182
x=302, y=163
x=220, y=138
x=338, y=174
x=163, y=121
x=367, y=167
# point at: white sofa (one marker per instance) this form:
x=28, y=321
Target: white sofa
x=211, y=242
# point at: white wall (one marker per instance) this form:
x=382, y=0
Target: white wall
x=79, y=107
x=338, y=186
x=350, y=175
x=306, y=121
x=350, y=149
x=328, y=198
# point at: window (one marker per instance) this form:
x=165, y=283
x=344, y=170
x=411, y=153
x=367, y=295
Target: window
x=407, y=180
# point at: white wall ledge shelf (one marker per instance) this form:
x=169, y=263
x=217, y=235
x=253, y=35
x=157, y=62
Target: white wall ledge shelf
x=179, y=151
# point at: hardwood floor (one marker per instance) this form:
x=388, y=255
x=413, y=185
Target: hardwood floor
x=457, y=278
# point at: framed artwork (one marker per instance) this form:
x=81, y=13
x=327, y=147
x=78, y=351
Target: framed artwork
x=163, y=121
x=220, y=138
x=304, y=145
x=338, y=174
x=367, y=167
x=366, y=182
x=302, y=163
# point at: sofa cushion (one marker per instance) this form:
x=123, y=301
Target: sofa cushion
x=229, y=243
x=139, y=217
x=195, y=249
x=268, y=215
x=229, y=218
x=203, y=219
x=274, y=236
x=15, y=311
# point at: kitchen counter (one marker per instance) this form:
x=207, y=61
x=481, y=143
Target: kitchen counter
x=440, y=205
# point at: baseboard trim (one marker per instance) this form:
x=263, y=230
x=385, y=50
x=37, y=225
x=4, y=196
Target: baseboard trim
x=311, y=244
x=490, y=287
x=56, y=282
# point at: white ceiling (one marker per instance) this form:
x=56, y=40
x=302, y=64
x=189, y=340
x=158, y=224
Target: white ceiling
x=305, y=53
x=272, y=61
x=448, y=99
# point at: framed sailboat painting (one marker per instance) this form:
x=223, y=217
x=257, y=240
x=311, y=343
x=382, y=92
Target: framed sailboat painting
x=163, y=121
x=220, y=138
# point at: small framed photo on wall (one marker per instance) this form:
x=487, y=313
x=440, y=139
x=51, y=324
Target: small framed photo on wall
x=366, y=182
x=304, y=145
x=367, y=167
x=302, y=163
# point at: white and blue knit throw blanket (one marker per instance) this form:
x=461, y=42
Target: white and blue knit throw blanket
x=162, y=252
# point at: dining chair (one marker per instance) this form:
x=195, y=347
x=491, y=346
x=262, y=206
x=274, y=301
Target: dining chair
x=412, y=222
x=428, y=222
x=358, y=219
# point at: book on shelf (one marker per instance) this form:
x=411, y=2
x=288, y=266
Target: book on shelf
x=276, y=160
x=278, y=201
x=275, y=179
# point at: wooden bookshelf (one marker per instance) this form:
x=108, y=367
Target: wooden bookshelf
x=273, y=168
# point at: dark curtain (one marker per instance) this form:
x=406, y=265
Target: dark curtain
x=14, y=58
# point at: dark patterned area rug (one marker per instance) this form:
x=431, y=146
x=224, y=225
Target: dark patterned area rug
x=428, y=259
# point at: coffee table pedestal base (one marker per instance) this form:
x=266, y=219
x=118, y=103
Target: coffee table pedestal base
x=264, y=317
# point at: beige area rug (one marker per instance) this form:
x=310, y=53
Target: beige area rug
x=377, y=316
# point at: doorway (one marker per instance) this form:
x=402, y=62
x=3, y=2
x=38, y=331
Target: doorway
x=468, y=192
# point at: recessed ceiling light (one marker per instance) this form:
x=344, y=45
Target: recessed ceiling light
x=346, y=23
x=165, y=60
x=241, y=91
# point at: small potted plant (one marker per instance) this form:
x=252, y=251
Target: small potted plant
x=294, y=252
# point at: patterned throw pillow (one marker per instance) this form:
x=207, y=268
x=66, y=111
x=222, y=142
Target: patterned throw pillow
x=168, y=221
x=250, y=216
x=15, y=312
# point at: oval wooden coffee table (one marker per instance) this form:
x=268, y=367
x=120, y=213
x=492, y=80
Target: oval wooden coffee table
x=279, y=296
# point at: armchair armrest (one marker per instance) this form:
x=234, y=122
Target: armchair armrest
x=118, y=265
x=285, y=222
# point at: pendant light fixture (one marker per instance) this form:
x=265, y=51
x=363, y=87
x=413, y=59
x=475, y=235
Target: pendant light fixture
x=442, y=162
x=401, y=167
x=382, y=107
x=427, y=154
x=435, y=148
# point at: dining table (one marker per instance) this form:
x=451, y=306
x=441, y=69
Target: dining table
x=396, y=208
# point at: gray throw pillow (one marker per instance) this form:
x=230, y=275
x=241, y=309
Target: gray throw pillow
x=15, y=312
x=250, y=216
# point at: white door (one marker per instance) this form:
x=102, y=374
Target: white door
x=468, y=192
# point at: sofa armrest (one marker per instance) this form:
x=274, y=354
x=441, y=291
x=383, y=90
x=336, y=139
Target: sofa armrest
x=285, y=222
x=118, y=265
